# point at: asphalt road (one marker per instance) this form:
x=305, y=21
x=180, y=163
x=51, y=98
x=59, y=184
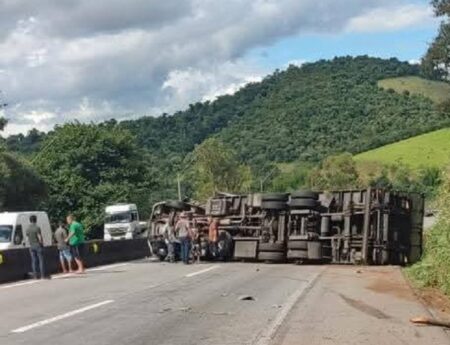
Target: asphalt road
x=155, y=303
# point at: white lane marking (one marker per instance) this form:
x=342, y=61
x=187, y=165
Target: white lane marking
x=7, y=286
x=61, y=276
x=193, y=274
x=101, y=268
x=266, y=337
x=61, y=317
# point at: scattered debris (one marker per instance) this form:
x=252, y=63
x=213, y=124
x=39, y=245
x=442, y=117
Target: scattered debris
x=247, y=298
x=185, y=309
x=277, y=306
x=164, y=310
x=422, y=320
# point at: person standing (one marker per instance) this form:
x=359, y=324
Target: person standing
x=34, y=234
x=63, y=248
x=169, y=238
x=213, y=236
x=76, y=241
x=183, y=230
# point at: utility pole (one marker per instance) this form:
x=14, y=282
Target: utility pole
x=261, y=181
x=179, y=186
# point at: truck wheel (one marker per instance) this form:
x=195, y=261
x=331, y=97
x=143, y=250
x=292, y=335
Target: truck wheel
x=297, y=254
x=275, y=197
x=271, y=247
x=305, y=194
x=177, y=205
x=271, y=256
x=273, y=205
x=224, y=245
x=314, y=250
x=302, y=245
x=303, y=203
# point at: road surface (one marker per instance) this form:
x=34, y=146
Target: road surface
x=144, y=302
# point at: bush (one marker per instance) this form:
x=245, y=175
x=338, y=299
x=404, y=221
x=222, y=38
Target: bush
x=434, y=268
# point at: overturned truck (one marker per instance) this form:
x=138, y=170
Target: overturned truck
x=370, y=226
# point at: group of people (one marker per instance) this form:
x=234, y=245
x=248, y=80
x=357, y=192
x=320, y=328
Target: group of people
x=184, y=231
x=69, y=241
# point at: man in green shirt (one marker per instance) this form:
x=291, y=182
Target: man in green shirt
x=76, y=240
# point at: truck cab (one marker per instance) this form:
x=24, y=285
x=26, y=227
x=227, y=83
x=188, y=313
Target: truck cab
x=121, y=222
x=14, y=224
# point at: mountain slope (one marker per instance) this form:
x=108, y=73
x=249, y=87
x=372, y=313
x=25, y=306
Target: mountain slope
x=437, y=91
x=302, y=113
x=328, y=107
x=430, y=149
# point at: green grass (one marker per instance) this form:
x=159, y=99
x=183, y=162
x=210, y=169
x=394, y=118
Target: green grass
x=438, y=92
x=431, y=149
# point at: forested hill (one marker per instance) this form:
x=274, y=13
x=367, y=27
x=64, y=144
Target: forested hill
x=302, y=113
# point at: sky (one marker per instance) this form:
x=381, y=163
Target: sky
x=84, y=60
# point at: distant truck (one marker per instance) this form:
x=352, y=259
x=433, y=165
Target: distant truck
x=122, y=222
x=368, y=226
x=14, y=224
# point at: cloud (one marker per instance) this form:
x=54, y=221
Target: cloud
x=93, y=60
x=392, y=18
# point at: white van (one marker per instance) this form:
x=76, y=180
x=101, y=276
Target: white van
x=121, y=222
x=14, y=224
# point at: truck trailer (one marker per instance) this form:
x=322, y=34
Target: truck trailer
x=368, y=226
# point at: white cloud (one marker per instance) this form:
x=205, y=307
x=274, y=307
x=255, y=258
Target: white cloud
x=391, y=18
x=184, y=86
x=108, y=59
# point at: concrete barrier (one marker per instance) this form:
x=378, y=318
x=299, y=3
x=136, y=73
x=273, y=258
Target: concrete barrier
x=15, y=264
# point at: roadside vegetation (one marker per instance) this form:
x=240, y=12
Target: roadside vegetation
x=434, y=268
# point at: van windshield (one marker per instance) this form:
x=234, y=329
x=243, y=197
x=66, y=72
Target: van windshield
x=124, y=217
x=5, y=233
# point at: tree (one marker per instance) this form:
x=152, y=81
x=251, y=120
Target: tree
x=215, y=168
x=21, y=188
x=335, y=172
x=436, y=62
x=87, y=166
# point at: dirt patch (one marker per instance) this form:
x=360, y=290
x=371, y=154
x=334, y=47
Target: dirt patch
x=436, y=301
x=391, y=283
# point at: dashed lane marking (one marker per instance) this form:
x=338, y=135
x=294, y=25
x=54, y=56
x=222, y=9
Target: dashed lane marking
x=193, y=274
x=61, y=317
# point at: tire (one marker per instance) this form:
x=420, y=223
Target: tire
x=303, y=203
x=273, y=205
x=271, y=256
x=224, y=246
x=305, y=194
x=297, y=254
x=297, y=245
x=275, y=197
x=271, y=247
x=178, y=205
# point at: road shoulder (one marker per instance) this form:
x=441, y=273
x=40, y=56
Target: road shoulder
x=359, y=305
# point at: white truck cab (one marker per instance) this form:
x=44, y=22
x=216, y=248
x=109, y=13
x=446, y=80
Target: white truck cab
x=121, y=222
x=14, y=224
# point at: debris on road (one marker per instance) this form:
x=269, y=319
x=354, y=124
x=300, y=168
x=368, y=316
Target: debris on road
x=247, y=298
x=422, y=320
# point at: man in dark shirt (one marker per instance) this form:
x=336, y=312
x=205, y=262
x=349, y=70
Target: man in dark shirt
x=35, y=239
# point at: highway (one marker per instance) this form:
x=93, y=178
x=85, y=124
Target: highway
x=145, y=302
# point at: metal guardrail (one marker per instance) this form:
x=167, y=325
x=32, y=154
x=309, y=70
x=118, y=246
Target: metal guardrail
x=15, y=264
